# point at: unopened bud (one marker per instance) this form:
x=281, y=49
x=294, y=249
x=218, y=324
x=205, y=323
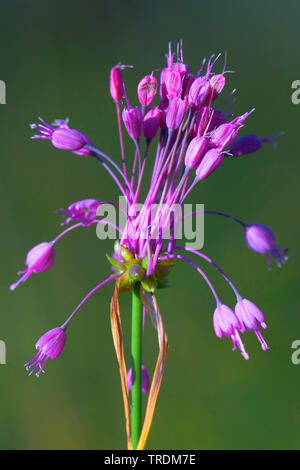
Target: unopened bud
x=209, y=163
x=147, y=90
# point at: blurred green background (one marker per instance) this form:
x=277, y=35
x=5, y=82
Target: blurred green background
x=55, y=60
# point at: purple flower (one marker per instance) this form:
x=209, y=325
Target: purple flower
x=261, y=239
x=116, y=84
x=209, y=163
x=147, y=89
x=172, y=83
x=151, y=123
x=250, y=143
x=133, y=121
x=38, y=259
x=84, y=211
x=217, y=83
x=195, y=151
x=194, y=137
x=50, y=345
x=145, y=379
x=227, y=324
x=250, y=318
x=199, y=92
x=175, y=113
x=62, y=137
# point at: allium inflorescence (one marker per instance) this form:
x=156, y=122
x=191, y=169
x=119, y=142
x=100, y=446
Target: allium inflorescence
x=193, y=139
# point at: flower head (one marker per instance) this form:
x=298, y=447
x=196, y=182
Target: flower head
x=261, y=239
x=38, y=259
x=50, y=345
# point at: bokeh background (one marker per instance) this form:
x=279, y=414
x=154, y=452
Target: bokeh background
x=55, y=60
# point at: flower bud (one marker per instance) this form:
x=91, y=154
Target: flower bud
x=152, y=121
x=116, y=84
x=183, y=69
x=195, y=152
x=187, y=82
x=202, y=120
x=63, y=137
x=224, y=135
x=38, y=259
x=133, y=121
x=199, y=92
x=217, y=83
x=209, y=163
x=261, y=239
x=68, y=139
x=172, y=81
x=175, y=113
x=247, y=144
x=147, y=90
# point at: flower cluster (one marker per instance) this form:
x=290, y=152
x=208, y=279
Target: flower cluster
x=193, y=138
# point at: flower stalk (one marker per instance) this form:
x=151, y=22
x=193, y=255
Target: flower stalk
x=136, y=358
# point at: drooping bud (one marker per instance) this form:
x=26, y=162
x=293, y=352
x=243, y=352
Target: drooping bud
x=251, y=143
x=249, y=315
x=39, y=259
x=50, y=345
x=152, y=121
x=199, y=92
x=261, y=239
x=227, y=324
x=175, y=113
x=116, y=84
x=133, y=121
x=145, y=380
x=250, y=318
x=195, y=152
x=209, y=163
x=147, y=90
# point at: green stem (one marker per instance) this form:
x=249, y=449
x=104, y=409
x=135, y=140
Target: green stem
x=136, y=356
